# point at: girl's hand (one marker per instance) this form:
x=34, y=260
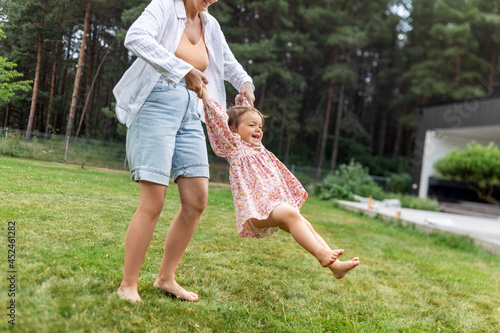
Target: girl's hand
x=205, y=94
x=247, y=91
x=195, y=81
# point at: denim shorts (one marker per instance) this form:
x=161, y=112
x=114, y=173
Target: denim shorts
x=166, y=137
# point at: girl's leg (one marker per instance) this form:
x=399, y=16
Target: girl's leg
x=194, y=194
x=338, y=268
x=139, y=234
x=289, y=218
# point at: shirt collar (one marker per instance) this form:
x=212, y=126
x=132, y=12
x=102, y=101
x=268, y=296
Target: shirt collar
x=204, y=18
x=180, y=9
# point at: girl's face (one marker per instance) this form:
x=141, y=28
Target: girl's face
x=250, y=128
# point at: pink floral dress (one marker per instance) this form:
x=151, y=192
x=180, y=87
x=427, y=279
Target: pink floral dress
x=259, y=181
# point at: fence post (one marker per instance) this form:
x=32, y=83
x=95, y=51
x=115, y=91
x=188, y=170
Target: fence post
x=66, y=148
x=125, y=162
x=5, y=140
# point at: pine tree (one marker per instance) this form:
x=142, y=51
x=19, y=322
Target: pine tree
x=487, y=33
x=8, y=87
x=449, y=68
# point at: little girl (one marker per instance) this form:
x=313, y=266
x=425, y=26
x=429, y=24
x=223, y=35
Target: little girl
x=267, y=197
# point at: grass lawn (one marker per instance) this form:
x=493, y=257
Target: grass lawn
x=70, y=231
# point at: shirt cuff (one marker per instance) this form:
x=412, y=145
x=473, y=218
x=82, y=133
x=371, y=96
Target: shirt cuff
x=249, y=80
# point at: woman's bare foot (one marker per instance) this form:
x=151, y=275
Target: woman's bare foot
x=341, y=268
x=328, y=257
x=129, y=294
x=172, y=288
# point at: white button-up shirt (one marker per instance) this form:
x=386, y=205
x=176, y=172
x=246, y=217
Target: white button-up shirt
x=154, y=38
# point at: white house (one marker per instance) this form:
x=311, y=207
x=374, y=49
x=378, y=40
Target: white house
x=444, y=127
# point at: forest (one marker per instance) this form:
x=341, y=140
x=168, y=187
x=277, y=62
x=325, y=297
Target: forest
x=341, y=79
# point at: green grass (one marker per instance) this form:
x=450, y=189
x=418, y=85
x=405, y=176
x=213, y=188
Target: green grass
x=70, y=231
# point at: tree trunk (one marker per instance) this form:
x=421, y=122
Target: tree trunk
x=95, y=121
x=336, y=138
x=263, y=89
x=91, y=49
x=6, y=121
x=318, y=140
x=283, y=124
x=340, y=108
x=52, y=93
x=288, y=145
x=382, y=133
x=458, y=65
x=399, y=135
x=282, y=132
x=262, y=95
x=78, y=75
x=37, y=74
x=485, y=194
x=63, y=80
x=91, y=88
x=493, y=70
x=324, y=135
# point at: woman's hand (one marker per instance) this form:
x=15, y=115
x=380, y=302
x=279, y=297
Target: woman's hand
x=247, y=91
x=195, y=81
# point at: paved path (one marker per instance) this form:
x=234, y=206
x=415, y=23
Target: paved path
x=485, y=232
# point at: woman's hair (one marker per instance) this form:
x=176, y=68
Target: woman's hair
x=236, y=112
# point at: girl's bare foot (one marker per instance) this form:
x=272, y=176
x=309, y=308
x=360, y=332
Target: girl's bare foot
x=129, y=294
x=328, y=257
x=341, y=268
x=172, y=288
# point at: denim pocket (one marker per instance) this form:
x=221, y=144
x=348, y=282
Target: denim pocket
x=162, y=85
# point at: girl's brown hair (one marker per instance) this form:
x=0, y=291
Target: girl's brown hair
x=236, y=112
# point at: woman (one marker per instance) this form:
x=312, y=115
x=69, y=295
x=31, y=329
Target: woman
x=179, y=47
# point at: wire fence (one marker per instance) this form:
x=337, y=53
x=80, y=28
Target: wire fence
x=112, y=155
x=52, y=147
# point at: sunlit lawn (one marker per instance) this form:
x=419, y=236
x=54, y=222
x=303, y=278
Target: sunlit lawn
x=70, y=230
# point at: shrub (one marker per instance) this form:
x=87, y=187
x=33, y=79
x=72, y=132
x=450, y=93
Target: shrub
x=400, y=183
x=353, y=178
x=347, y=180
x=477, y=166
x=408, y=201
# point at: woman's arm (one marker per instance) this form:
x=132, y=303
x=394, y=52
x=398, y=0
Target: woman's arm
x=143, y=36
x=236, y=74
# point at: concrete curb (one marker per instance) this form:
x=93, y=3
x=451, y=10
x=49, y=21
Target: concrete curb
x=489, y=242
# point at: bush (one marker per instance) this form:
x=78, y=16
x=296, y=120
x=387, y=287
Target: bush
x=347, y=180
x=408, y=201
x=400, y=183
x=353, y=178
x=477, y=166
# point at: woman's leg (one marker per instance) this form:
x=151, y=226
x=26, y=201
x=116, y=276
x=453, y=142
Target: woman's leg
x=194, y=195
x=139, y=234
x=289, y=218
x=338, y=268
